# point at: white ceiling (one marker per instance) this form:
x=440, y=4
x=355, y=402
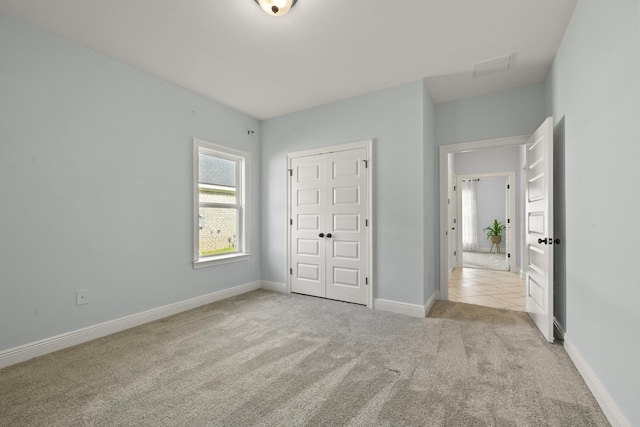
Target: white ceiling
x=322, y=51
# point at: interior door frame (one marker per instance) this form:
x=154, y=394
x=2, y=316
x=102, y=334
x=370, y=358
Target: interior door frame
x=445, y=150
x=366, y=144
x=510, y=208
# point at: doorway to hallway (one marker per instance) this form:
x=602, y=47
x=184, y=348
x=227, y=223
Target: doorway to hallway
x=536, y=252
x=478, y=275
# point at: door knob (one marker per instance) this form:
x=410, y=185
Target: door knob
x=557, y=241
x=321, y=235
x=543, y=240
x=329, y=235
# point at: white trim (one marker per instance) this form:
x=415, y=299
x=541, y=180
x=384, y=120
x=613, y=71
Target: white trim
x=331, y=149
x=221, y=259
x=79, y=336
x=445, y=150
x=429, y=303
x=243, y=201
x=604, y=399
x=274, y=286
x=366, y=144
x=413, y=310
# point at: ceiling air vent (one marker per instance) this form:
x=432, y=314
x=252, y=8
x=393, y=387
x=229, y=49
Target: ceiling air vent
x=491, y=66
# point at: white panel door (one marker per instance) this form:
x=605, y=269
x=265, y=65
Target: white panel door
x=329, y=239
x=346, y=250
x=308, y=218
x=539, y=228
x=452, y=232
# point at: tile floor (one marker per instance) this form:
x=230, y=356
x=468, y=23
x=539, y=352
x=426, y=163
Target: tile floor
x=498, y=289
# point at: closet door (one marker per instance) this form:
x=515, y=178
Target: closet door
x=329, y=240
x=308, y=221
x=346, y=240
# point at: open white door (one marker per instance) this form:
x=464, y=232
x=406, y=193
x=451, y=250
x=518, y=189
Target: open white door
x=539, y=228
x=452, y=232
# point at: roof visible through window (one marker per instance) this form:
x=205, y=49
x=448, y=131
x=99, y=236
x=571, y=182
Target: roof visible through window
x=217, y=171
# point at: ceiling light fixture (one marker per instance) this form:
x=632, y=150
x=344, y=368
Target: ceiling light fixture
x=276, y=7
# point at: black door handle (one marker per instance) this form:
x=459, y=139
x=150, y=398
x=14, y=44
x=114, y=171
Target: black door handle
x=321, y=235
x=329, y=235
x=543, y=240
x=557, y=241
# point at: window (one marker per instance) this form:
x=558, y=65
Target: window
x=221, y=194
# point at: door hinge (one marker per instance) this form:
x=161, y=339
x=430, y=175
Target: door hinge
x=291, y=221
x=366, y=222
x=366, y=164
x=508, y=255
x=366, y=280
x=508, y=220
x=454, y=187
x=290, y=172
x=508, y=186
x=448, y=201
x=455, y=221
x=455, y=253
x=291, y=271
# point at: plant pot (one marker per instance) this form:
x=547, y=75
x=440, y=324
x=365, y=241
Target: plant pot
x=496, y=239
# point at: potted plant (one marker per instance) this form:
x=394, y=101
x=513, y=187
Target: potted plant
x=494, y=231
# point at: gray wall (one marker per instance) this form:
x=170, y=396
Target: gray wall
x=394, y=119
x=593, y=92
x=430, y=185
x=491, y=204
x=511, y=112
x=95, y=178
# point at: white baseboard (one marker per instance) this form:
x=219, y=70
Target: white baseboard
x=274, y=286
x=412, y=310
x=485, y=250
x=79, y=336
x=429, y=303
x=606, y=402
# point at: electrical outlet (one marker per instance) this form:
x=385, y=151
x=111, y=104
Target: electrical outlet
x=82, y=297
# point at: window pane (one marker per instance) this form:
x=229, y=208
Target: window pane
x=217, y=171
x=218, y=231
x=215, y=194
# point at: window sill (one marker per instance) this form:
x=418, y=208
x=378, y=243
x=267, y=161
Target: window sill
x=221, y=259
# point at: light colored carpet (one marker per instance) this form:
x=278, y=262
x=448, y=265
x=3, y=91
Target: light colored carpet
x=271, y=359
x=485, y=260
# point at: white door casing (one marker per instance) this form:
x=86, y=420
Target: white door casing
x=539, y=228
x=329, y=230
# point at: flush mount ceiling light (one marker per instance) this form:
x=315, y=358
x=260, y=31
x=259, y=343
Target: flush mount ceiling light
x=276, y=7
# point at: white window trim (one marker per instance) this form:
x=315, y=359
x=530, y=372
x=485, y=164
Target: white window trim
x=244, y=209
